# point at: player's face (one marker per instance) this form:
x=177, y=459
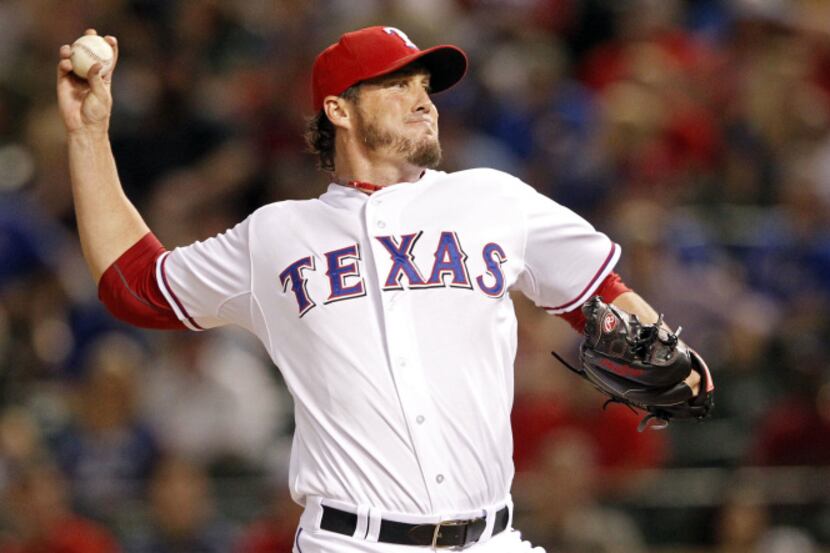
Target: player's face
x=396, y=117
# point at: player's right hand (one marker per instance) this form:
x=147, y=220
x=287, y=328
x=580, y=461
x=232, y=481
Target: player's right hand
x=85, y=104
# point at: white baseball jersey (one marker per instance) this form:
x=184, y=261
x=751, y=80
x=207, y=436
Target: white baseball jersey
x=389, y=317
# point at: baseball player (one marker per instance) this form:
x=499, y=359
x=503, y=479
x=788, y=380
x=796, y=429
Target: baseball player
x=384, y=302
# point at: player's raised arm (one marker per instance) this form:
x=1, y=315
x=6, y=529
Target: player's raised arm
x=119, y=248
x=108, y=223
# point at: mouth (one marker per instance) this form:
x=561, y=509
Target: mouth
x=426, y=121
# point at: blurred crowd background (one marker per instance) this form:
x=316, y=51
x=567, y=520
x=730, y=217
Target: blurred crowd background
x=695, y=133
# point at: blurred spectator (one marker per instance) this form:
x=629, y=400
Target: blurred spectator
x=786, y=540
x=212, y=398
x=796, y=429
x=182, y=513
x=39, y=325
x=42, y=520
x=612, y=431
x=744, y=525
x=106, y=450
x=20, y=442
x=275, y=529
x=742, y=520
x=574, y=521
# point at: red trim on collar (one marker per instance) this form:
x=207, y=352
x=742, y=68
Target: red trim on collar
x=364, y=186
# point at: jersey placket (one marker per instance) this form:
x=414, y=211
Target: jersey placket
x=382, y=214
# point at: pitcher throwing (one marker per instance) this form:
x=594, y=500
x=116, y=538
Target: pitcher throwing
x=384, y=302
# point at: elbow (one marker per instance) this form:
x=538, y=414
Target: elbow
x=130, y=292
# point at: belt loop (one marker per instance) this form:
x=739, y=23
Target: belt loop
x=362, y=526
x=490, y=514
x=313, y=512
x=374, y=519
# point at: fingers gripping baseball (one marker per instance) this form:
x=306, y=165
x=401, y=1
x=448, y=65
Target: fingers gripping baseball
x=86, y=104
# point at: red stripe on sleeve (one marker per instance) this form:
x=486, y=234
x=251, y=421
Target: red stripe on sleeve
x=129, y=290
x=609, y=289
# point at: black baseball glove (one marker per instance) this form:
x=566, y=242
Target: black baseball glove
x=642, y=366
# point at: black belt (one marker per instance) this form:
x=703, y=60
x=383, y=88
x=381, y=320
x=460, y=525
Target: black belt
x=450, y=533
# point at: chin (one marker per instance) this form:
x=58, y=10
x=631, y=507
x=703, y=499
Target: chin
x=427, y=154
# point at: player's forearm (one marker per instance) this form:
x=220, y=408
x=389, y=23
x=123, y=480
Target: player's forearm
x=108, y=223
x=632, y=302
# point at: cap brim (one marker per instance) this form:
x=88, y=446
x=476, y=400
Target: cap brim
x=446, y=64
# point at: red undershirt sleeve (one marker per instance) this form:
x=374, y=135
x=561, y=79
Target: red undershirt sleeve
x=610, y=288
x=130, y=291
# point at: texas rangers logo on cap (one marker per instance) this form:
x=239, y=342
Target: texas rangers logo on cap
x=396, y=31
x=375, y=51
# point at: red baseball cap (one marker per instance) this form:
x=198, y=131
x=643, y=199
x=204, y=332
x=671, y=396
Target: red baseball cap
x=375, y=51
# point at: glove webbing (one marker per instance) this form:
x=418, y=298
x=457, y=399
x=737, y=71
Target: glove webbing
x=653, y=420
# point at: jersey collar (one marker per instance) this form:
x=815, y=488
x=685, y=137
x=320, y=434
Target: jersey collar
x=366, y=187
x=369, y=188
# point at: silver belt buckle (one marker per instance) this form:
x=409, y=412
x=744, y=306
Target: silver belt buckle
x=437, y=533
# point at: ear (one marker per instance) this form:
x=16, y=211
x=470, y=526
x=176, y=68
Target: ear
x=339, y=111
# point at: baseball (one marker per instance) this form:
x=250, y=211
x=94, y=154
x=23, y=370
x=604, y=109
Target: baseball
x=89, y=50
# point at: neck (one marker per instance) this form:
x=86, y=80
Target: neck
x=379, y=175
x=355, y=163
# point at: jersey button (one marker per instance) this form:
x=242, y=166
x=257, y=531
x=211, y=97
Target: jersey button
x=381, y=224
x=420, y=419
x=439, y=478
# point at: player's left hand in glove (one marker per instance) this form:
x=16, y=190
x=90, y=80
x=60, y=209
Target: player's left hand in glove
x=642, y=366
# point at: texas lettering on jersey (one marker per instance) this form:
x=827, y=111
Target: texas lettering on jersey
x=449, y=269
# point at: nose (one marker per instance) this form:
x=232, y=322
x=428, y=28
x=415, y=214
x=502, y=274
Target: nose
x=423, y=102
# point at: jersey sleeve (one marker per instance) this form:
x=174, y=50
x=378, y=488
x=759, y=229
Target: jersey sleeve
x=208, y=283
x=565, y=258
